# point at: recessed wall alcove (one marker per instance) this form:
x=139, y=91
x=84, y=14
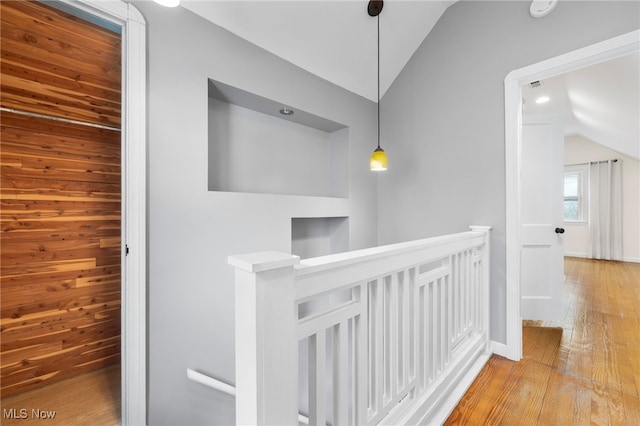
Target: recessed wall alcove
x=319, y=236
x=253, y=148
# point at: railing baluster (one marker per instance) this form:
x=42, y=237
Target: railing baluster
x=317, y=383
x=458, y=298
x=406, y=329
x=378, y=367
x=475, y=291
x=463, y=289
x=424, y=331
x=469, y=280
x=438, y=312
x=466, y=291
x=441, y=323
x=450, y=305
x=415, y=301
x=431, y=335
x=340, y=374
x=392, y=338
x=361, y=333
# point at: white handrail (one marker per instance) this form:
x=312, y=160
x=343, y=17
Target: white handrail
x=211, y=382
x=221, y=386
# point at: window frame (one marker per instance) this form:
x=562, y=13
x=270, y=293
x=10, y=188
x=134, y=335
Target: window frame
x=582, y=171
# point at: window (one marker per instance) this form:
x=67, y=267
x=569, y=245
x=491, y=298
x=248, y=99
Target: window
x=575, y=194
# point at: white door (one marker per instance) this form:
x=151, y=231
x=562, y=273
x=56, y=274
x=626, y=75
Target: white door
x=541, y=214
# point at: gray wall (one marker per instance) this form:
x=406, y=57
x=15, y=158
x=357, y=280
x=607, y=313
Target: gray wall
x=442, y=127
x=443, y=118
x=192, y=231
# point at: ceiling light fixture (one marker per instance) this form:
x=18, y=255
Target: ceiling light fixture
x=168, y=3
x=543, y=100
x=378, y=161
x=286, y=111
x=540, y=8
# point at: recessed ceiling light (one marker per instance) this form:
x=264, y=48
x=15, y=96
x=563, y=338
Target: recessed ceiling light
x=168, y=3
x=286, y=111
x=542, y=100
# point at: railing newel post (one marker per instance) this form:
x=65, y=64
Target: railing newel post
x=266, y=339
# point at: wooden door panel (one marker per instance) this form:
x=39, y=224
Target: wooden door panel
x=541, y=252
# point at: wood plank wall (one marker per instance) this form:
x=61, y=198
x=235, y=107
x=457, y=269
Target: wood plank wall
x=60, y=195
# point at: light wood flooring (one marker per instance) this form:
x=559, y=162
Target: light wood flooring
x=584, y=371
x=92, y=399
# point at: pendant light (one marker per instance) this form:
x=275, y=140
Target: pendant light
x=378, y=161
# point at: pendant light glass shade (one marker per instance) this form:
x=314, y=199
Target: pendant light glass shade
x=378, y=160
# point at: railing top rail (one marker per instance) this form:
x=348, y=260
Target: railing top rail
x=268, y=260
x=317, y=264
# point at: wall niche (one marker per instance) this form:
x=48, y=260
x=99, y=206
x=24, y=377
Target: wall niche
x=253, y=148
x=319, y=236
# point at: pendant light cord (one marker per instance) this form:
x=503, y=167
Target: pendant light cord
x=378, y=18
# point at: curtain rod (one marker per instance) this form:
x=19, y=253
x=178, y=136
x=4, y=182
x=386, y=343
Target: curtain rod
x=592, y=162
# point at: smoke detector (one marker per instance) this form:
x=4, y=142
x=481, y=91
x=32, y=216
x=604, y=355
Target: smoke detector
x=540, y=8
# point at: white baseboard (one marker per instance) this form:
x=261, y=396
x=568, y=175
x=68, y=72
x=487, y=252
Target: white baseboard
x=499, y=349
x=573, y=254
x=446, y=407
x=434, y=404
x=586, y=256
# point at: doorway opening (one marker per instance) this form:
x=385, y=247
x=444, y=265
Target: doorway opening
x=131, y=240
x=600, y=52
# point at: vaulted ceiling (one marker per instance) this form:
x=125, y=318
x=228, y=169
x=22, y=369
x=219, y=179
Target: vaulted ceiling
x=600, y=102
x=337, y=41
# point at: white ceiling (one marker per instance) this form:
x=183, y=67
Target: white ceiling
x=337, y=41
x=600, y=102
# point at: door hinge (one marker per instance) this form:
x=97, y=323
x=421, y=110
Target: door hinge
x=126, y=250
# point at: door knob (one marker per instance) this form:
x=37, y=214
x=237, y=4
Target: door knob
x=559, y=230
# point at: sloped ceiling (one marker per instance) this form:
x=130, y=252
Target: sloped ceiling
x=600, y=102
x=335, y=40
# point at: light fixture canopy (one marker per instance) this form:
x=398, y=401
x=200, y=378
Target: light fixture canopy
x=378, y=161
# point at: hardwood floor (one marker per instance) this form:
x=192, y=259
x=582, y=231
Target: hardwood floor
x=583, y=371
x=92, y=399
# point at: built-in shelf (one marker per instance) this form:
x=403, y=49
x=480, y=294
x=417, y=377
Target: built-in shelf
x=254, y=148
x=319, y=236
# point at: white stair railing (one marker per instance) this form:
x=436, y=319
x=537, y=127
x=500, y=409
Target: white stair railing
x=391, y=334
